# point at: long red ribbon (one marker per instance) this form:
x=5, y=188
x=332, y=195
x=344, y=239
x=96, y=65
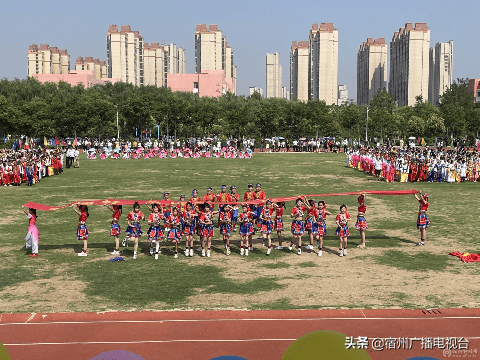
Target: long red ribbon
x=43, y=207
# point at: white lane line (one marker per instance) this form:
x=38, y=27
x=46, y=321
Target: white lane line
x=31, y=317
x=166, y=341
x=145, y=342
x=215, y=320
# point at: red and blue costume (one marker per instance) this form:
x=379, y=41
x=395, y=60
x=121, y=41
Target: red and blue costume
x=343, y=230
x=297, y=222
x=174, y=232
x=207, y=226
x=361, y=222
x=422, y=220
x=135, y=230
x=115, y=229
x=82, y=231
x=246, y=224
x=188, y=222
x=266, y=220
x=225, y=222
x=155, y=232
x=278, y=222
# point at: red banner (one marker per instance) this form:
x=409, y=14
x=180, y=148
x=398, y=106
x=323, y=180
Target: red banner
x=170, y=202
x=466, y=257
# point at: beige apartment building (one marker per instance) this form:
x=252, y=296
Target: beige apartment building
x=132, y=60
x=299, y=60
x=441, y=70
x=98, y=66
x=212, y=52
x=125, y=55
x=323, y=63
x=274, y=75
x=409, y=64
x=153, y=62
x=371, y=69
x=44, y=59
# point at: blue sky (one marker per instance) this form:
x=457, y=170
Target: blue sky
x=252, y=28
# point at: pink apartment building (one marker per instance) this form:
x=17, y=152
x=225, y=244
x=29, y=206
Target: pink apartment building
x=87, y=78
x=474, y=87
x=211, y=83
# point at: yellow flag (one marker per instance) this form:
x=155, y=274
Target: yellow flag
x=45, y=141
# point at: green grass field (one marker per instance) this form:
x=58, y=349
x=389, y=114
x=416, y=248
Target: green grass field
x=390, y=273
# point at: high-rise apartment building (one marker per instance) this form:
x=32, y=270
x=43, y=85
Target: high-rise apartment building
x=285, y=93
x=98, y=66
x=274, y=75
x=212, y=52
x=254, y=89
x=153, y=63
x=44, y=59
x=371, y=69
x=139, y=63
x=125, y=55
x=440, y=70
x=409, y=63
x=342, y=94
x=299, y=60
x=323, y=63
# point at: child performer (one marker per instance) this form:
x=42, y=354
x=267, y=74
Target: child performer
x=194, y=199
x=268, y=212
x=189, y=217
x=115, y=229
x=322, y=227
x=225, y=224
x=249, y=196
x=311, y=224
x=361, y=224
x=422, y=220
x=209, y=197
x=174, y=232
x=134, y=228
x=296, y=214
x=82, y=231
x=259, y=195
x=155, y=232
x=246, y=228
x=32, y=235
x=206, y=220
x=235, y=197
x=342, y=232
x=278, y=223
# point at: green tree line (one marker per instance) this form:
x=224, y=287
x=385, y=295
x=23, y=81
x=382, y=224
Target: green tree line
x=30, y=108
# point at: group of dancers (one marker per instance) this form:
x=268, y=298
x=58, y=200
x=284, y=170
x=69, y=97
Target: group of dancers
x=224, y=152
x=28, y=166
x=417, y=165
x=174, y=221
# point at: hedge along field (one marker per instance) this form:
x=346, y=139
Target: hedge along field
x=390, y=272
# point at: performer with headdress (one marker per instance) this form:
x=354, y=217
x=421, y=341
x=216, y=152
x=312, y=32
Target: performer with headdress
x=342, y=219
x=235, y=197
x=245, y=218
x=266, y=218
x=278, y=222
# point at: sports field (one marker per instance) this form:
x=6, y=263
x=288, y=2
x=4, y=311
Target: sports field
x=390, y=273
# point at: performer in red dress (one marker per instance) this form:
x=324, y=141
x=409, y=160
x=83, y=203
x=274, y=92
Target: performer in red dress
x=342, y=219
x=422, y=221
x=82, y=231
x=361, y=224
x=115, y=229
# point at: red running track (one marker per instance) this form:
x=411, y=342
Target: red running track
x=207, y=334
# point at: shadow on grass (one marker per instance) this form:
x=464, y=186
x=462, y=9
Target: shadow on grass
x=165, y=281
x=423, y=261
